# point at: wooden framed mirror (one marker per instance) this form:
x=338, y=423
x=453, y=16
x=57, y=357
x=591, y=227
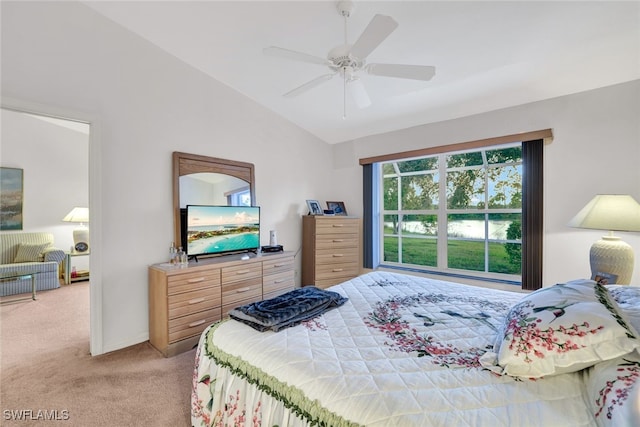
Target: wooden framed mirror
x=207, y=180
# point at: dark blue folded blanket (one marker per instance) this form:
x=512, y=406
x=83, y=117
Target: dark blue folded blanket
x=287, y=309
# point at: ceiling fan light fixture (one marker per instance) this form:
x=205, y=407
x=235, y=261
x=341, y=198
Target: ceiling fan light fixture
x=358, y=92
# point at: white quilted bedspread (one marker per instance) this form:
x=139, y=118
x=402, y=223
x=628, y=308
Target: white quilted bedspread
x=401, y=352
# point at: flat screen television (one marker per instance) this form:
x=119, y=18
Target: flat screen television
x=216, y=230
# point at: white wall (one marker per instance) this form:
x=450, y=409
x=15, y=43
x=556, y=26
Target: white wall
x=596, y=149
x=148, y=105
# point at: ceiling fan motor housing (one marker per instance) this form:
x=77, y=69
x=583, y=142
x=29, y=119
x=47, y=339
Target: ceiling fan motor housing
x=340, y=58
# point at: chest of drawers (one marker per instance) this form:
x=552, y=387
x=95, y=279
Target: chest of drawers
x=183, y=301
x=331, y=250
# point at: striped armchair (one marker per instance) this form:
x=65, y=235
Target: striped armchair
x=31, y=252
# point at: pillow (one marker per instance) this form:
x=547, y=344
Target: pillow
x=628, y=299
x=31, y=252
x=613, y=391
x=562, y=328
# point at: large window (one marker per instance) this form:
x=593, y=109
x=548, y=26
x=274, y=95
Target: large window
x=433, y=220
x=454, y=211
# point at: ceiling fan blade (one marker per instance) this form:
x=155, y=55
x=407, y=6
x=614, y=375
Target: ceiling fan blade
x=415, y=72
x=309, y=85
x=358, y=93
x=294, y=55
x=378, y=29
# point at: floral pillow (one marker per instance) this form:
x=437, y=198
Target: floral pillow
x=628, y=299
x=613, y=391
x=562, y=328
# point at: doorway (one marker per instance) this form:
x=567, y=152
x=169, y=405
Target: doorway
x=53, y=154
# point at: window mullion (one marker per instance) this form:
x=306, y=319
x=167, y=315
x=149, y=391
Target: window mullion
x=442, y=212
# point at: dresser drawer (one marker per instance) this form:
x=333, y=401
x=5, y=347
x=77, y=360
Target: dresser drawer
x=241, y=272
x=327, y=283
x=276, y=282
x=337, y=270
x=277, y=293
x=250, y=289
x=337, y=255
x=277, y=265
x=337, y=226
x=337, y=241
x=193, y=324
x=190, y=281
x=190, y=302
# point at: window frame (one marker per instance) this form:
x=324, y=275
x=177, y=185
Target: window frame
x=443, y=210
x=532, y=194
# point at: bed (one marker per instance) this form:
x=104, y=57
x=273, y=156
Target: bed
x=407, y=351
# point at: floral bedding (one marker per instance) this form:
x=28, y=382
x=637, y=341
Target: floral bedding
x=402, y=351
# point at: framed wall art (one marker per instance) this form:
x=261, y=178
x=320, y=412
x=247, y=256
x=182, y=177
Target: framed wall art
x=11, y=198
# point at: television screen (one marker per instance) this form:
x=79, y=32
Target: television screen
x=215, y=230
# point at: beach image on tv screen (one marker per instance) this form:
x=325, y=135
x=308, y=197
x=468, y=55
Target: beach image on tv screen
x=216, y=229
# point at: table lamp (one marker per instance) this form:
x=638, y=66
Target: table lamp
x=80, y=234
x=612, y=212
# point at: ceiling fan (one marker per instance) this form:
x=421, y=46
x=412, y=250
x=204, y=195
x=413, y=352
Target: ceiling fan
x=348, y=60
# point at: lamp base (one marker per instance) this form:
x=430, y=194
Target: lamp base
x=81, y=239
x=612, y=255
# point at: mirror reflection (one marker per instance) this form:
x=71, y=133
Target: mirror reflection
x=204, y=180
x=207, y=188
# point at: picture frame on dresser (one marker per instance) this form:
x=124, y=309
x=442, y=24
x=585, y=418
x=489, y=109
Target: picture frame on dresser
x=338, y=208
x=314, y=207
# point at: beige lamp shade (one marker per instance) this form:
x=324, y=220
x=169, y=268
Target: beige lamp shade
x=81, y=233
x=612, y=212
x=77, y=215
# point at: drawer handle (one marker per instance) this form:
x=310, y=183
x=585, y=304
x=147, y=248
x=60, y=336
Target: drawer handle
x=241, y=290
x=335, y=270
x=242, y=272
x=280, y=281
x=196, y=280
x=278, y=265
x=196, y=300
x=338, y=225
x=337, y=255
x=196, y=323
x=338, y=240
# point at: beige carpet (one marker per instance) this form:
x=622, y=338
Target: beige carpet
x=46, y=369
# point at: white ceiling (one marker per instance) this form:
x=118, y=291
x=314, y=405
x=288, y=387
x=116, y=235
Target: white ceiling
x=488, y=55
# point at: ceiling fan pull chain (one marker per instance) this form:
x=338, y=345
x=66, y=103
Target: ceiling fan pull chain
x=344, y=93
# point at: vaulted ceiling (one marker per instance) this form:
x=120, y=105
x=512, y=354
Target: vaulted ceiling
x=488, y=54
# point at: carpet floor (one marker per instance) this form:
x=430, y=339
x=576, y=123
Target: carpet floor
x=47, y=375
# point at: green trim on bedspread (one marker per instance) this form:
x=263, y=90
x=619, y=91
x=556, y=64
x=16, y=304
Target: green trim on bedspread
x=293, y=398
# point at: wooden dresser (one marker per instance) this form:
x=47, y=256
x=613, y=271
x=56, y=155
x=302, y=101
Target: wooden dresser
x=183, y=301
x=331, y=249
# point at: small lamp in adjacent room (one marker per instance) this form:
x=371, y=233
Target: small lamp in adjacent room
x=612, y=212
x=80, y=234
